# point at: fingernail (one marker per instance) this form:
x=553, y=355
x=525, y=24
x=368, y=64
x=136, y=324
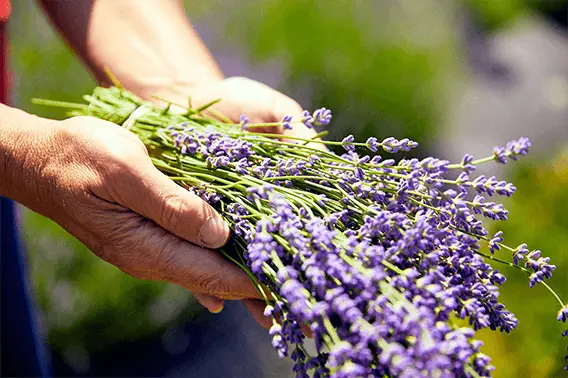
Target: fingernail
x=217, y=310
x=214, y=233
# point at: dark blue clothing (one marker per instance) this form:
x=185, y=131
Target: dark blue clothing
x=21, y=352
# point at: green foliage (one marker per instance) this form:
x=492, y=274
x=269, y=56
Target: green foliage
x=43, y=65
x=495, y=14
x=90, y=304
x=384, y=67
x=498, y=14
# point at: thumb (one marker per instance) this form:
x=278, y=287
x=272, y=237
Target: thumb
x=145, y=190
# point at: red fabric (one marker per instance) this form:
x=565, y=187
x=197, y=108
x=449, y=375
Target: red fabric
x=5, y=11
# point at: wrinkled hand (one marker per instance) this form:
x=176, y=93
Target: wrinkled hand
x=240, y=95
x=95, y=179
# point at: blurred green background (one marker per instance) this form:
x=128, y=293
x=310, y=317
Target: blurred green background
x=386, y=68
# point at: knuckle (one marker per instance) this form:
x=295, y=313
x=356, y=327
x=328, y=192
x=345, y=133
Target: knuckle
x=119, y=156
x=172, y=211
x=213, y=284
x=131, y=249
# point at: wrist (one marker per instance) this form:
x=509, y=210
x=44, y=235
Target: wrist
x=147, y=47
x=22, y=137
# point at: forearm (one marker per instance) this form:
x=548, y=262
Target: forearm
x=19, y=141
x=148, y=45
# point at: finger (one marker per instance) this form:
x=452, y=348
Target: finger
x=237, y=96
x=145, y=250
x=207, y=272
x=211, y=303
x=298, y=130
x=143, y=188
x=263, y=104
x=285, y=106
x=243, y=96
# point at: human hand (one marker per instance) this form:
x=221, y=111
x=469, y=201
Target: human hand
x=95, y=179
x=240, y=95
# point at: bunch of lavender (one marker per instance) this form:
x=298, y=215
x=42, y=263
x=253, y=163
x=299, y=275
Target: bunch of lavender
x=384, y=261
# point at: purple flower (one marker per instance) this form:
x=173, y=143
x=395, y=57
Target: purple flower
x=244, y=122
x=347, y=143
x=372, y=144
x=563, y=314
x=466, y=163
x=286, y=122
x=383, y=252
x=494, y=242
x=512, y=150
x=322, y=117
x=376, y=257
x=393, y=145
x=340, y=354
x=307, y=119
x=268, y=310
x=500, y=154
x=518, y=147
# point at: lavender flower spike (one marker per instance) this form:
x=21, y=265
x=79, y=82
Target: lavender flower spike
x=244, y=121
x=307, y=119
x=322, y=117
x=563, y=314
x=372, y=144
x=513, y=150
x=393, y=145
x=286, y=122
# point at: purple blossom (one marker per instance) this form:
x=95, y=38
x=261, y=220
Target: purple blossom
x=347, y=143
x=518, y=147
x=307, y=119
x=375, y=257
x=268, y=310
x=286, y=122
x=393, y=145
x=278, y=341
x=322, y=117
x=519, y=253
x=563, y=315
x=372, y=144
x=467, y=163
x=494, y=242
x=512, y=150
x=500, y=155
x=244, y=121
